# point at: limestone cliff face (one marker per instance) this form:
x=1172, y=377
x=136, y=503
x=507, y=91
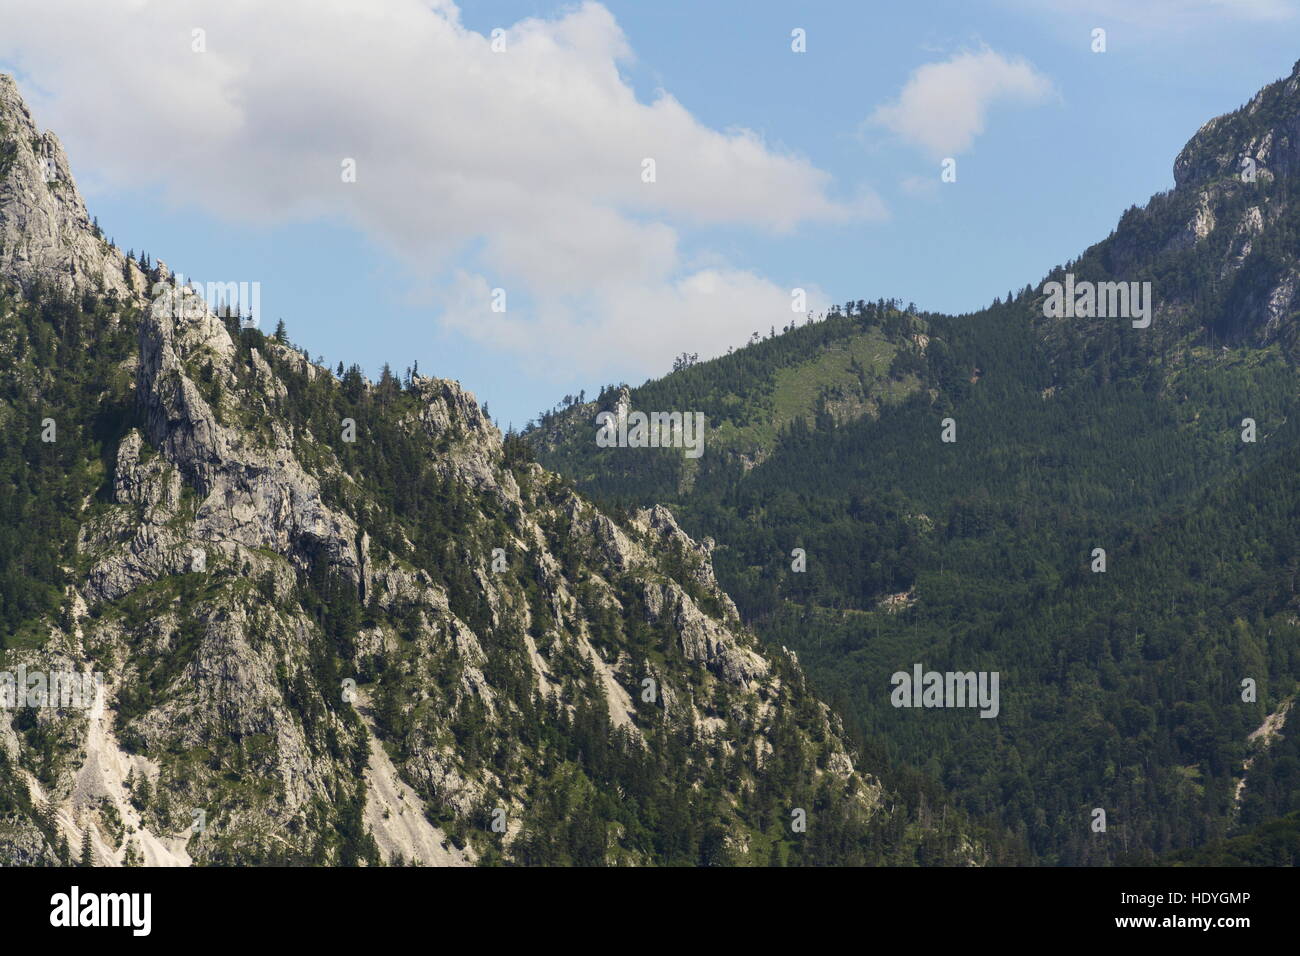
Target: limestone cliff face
x=407, y=645
x=1218, y=248
x=1266, y=131
x=45, y=231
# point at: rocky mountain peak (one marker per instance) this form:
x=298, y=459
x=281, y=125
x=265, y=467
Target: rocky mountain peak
x=351, y=623
x=1262, y=139
x=1216, y=249
x=46, y=233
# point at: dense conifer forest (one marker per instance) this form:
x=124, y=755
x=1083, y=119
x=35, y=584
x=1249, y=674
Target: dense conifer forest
x=1123, y=688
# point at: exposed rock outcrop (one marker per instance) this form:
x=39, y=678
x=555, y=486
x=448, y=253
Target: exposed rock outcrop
x=402, y=645
x=46, y=234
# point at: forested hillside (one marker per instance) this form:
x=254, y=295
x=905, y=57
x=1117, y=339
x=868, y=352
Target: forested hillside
x=1122, y=689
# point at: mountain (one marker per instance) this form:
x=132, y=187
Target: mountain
x=337, y=621
x=46, y=233
x=888, y=486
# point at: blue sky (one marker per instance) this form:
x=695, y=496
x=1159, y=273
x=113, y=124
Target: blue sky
x=479, y=170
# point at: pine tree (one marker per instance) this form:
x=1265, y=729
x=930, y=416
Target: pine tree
x=141, y=793
x=87, y=851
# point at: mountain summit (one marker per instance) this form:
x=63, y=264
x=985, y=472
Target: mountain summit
x=335, y=621
x=1220, y=248
x=46, y=234
x=1099, y=507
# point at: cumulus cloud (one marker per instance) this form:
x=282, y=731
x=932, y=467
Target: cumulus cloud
x=943, y=106
x=526, y=164
x=633, y=326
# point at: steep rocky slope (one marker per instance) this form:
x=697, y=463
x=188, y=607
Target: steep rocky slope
x=46, y=232
x=1221, y=247
x=340, y=621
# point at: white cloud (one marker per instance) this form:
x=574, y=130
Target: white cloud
x=943, y=106
x=627, y=329
x=527, y=161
